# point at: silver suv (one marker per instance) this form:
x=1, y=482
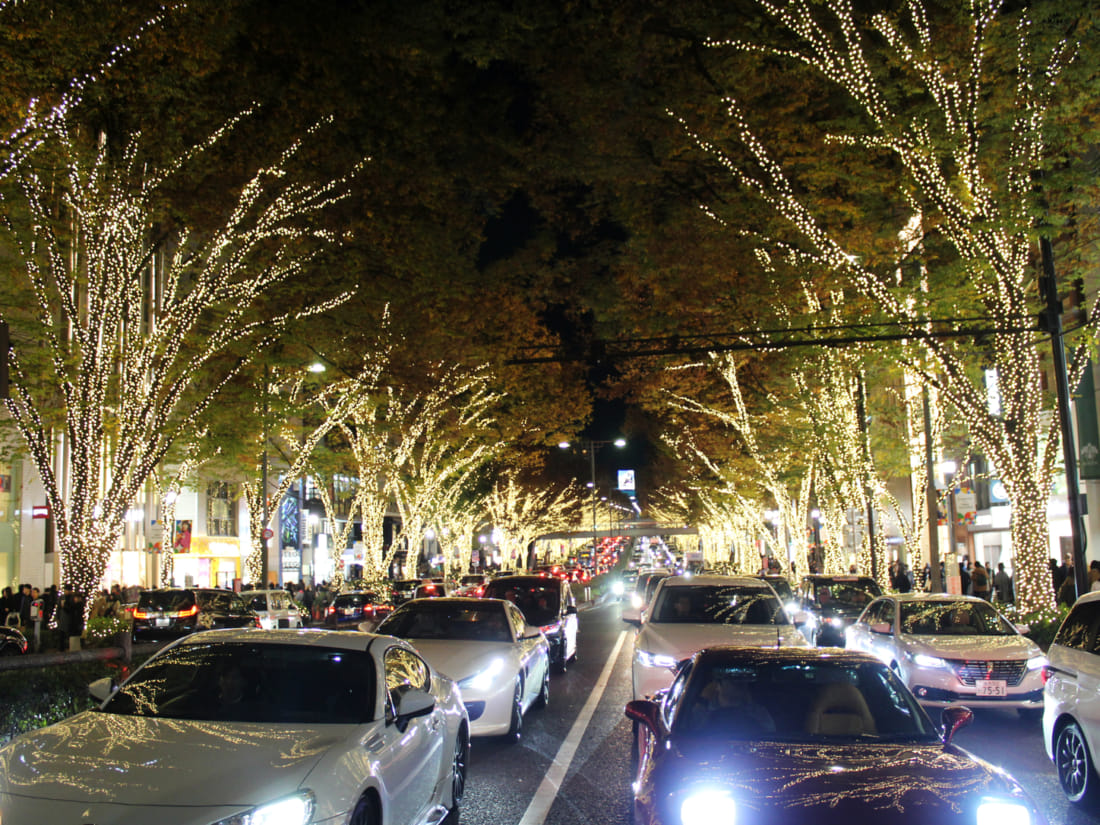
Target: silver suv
x=1071, y=701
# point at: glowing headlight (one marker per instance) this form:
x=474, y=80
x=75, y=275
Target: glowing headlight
x=290, y=810
x=636, y=602
x=924, y=660
x=836, y=622
x=617, y=587
x=1036, y=662
x=484, y=678
x=1002, y=812
x=706, y=807
x=647, y=659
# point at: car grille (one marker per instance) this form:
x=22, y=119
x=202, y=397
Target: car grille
x=1011, y=671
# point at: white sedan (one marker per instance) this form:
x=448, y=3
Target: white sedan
x=501, y=663
x=235, y=727
x=951, y=649
x=689, y=613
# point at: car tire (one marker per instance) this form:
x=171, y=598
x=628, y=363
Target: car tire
x=366, y=812
x=543, y=699
x=515, y=727
x=458, y=774
x=1076, y=770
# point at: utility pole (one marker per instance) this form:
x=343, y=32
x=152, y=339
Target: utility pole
x=1052, y=322
x=861, y=413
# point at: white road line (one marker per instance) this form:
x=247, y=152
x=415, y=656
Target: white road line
x=548, y=789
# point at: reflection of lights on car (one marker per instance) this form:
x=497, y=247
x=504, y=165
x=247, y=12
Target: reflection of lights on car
x=1036, y=662
x=708, y=806
x=1002, y=812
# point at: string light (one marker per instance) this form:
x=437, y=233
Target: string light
x=980, y=196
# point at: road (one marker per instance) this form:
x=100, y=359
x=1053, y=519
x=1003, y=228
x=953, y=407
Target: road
x=586, y=732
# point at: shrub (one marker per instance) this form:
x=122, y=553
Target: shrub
x=32, y=698
x=102, y=630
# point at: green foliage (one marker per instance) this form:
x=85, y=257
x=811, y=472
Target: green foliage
x=102, y=630
x=1042, y=624
x=35, y=697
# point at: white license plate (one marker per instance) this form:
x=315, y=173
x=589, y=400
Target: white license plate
x=162, y=621
x=991, y=687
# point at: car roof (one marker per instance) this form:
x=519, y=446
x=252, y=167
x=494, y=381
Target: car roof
x=761, y=655
x=933, y=597
x=714, y=580
x=526, y=579
x=453, y=600
x=306, y=636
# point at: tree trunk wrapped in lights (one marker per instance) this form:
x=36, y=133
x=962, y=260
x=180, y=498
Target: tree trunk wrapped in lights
x=957, y=105
x=131, y=328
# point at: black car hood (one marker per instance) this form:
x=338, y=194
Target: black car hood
x=778, y=783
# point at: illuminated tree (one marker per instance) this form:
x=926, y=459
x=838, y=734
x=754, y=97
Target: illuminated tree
x=136, y=323
x=965, y=139
x=521, y=514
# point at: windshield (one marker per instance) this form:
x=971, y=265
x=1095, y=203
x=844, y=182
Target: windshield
x=843, y=594
x=442, y=620
x=801, y=702
x=953, y=618
x=719, y=604
x=539, y=602
x=354, y=599
x=238, y=682
x=170, y=600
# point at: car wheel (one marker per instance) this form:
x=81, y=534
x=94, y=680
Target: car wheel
x=365, y=812
x=1076, y=773
x=515, y=729
x=458, y=774
x=543, y=699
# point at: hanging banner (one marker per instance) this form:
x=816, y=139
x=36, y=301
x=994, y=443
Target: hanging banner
x=1088, y=433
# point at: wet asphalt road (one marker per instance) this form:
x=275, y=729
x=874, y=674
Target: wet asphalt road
x=503, y=778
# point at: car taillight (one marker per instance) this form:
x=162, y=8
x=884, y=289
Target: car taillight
x=481, y=591
x=193, y=610
x=141, y=614
x=258, y=622
x=1045, y=673
x=331, y=610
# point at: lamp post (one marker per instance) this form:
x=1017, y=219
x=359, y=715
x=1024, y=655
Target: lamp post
x=593, y=445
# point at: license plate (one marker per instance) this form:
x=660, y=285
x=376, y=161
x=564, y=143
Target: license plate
x=991, y=687
x=162, y=621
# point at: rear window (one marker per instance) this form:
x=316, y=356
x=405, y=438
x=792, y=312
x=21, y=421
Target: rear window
x=166, y=599
x=354, y=599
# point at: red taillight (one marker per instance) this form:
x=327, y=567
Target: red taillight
x=258, y=622
x=141, y=614
x=193, y=610
x=1045, y=673
x=331, y=610
x=481, y=591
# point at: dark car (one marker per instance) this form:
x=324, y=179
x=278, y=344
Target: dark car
x=548, y=603
x=781, y=585
x=405, y=589
x=829, y=604
x=349, y=609
x=786, y=736
x=12, y=641
x=171, y=612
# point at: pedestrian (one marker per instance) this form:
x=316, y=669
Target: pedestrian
x=1094, y=575
x=25, y=601
x=964, y=577
x=1002, y=582
x=1067, y=593
x=64, y=616
x=979, y=581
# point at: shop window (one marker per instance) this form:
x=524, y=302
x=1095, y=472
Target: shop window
x=221, y=509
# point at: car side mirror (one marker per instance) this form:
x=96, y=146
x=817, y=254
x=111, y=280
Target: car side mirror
x=531, y=631
x=645, y=712
x=882, y=628
x=102, y=689
x=1023, y=629
x=633, y=620
x=414, y=703
x=954, y=718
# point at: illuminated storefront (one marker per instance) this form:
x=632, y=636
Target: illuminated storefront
x=213, y=561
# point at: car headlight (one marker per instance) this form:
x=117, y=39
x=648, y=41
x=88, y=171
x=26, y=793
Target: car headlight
x=1002, y=812
x=617, y=588
x=1036, y=662
x=290, y=810
x=836, y=622
x=484, y=678
x=636, y=602
x=647, y=659
x=705, y=807
x=924, y=660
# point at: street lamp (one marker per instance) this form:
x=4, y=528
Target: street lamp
x=593, y=445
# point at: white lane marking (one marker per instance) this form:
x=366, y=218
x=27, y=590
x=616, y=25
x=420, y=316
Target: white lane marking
x=548, y=789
